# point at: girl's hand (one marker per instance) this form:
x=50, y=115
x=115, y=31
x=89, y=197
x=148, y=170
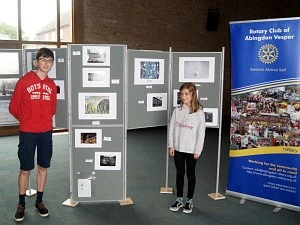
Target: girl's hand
x=196, y=156
x=172, y=151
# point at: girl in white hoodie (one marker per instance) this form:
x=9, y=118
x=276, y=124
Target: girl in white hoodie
x=186, y=139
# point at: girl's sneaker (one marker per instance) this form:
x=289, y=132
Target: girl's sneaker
x=188, y=208
x=177, y=205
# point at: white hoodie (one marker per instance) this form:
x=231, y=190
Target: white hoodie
x=187, y=131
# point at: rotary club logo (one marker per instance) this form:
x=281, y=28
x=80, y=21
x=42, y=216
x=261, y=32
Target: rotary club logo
x=268, y=53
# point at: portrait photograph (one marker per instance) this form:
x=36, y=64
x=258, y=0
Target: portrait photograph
x=148, y=71
x=88, y=138
x=97, y=105
x=96, y=77
x=107, y=161
x=157, y=101
x=9, y=63
x=96, y=56
x=197, y=69
x=211, y=117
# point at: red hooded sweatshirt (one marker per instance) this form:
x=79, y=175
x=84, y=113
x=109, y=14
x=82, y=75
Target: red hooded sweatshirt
x=34, y=103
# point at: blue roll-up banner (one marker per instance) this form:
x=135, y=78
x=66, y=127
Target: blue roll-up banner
x=264, y=159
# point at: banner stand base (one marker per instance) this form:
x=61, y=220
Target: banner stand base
x=165, y=190
x=242, y=201
x=277, y=209
x=127, y=201
x=216, y=196
x=30, y=192
x=69, y=203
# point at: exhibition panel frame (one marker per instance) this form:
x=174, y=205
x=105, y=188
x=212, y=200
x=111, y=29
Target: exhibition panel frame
x=97, y=134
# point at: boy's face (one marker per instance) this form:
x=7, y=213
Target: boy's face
x=44, y=64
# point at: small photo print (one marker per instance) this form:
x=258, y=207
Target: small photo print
x=60, y=89
x=96, y=55
x=107, y=160
x=88, y=138
x=211, y=117
x=148, y=71
x=197, y=69
x=156, y=101
x=96, y=77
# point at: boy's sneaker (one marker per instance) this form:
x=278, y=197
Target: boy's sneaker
x=177, y=205
x=19, y=216
x=43, y=211
x=188, y=208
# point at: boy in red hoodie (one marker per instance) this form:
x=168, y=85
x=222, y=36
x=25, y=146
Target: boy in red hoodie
x=33, y=104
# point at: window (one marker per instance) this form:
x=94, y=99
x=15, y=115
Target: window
x=38, y=21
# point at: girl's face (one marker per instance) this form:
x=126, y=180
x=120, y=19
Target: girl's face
x=186, y=97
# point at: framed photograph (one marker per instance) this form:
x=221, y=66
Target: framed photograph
x=9, y=63
x=31, y=61
x=96, y=56
x=96, y=77
x=176, y=97
x=211, y=117
x=5, y=117
x=7, y=86
x=107, y=160
x=97, y=106
x=31, y=64
x=60, y=89
x=148, y=71
x=157, y=101
x=88, y=138
x=197, y=69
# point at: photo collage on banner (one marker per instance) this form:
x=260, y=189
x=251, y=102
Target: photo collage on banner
x=265, y=111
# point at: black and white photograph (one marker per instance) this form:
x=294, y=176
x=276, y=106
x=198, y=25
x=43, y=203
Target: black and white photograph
x=7, y=86
x=211, y=117
x=60, y=89
x=96, y=77
x=156, y=101
x=9, y=63
x=88, y=138
x=197, y=69
x=5, y=117
x=97, y=105
x=96, y=56
x=148, y=71
x=107, y=161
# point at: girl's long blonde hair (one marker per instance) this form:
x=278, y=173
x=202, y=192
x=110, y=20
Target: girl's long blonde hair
x=195, y=104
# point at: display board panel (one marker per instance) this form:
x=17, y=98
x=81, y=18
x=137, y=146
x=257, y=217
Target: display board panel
x=204, y=69
x=148, y=73
x=59, y=74
x=97, y=126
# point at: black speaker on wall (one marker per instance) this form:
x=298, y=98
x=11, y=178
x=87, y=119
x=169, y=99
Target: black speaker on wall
x=213, y=18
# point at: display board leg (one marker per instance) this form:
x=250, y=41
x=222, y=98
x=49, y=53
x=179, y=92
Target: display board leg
x=127, y=201
x=166, y=190
x=242, y=202
x=277, y=209
x=216, y=196
x=30, y=192
x=70, y=203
